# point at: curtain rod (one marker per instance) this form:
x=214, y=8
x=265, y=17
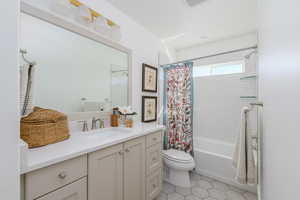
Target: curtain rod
x=213, y=55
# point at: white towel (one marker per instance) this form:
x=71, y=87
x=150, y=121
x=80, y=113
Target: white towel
x=26, y=107
x=243, y=156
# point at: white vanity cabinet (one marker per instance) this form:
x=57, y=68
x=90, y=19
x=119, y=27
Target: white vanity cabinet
x=153, y=165
x=59, y=176
x=106, y=174
x=74, y=191
x=117, y=171
x=134, y=169
x=131, y=170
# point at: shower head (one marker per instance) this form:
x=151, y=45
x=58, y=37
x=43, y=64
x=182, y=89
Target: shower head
x=250, y=54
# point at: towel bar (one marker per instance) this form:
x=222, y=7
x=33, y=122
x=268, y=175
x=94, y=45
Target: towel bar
x=257, y=104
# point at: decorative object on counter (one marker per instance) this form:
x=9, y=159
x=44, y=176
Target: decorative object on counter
x=114, y=121
x=83, y=15
x=126, y=115
x=129, y=122
x=149, y=78
x=62, y=7
x=149, y=108
x=44, y=126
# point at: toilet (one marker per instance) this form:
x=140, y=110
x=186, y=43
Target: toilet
x=177, y=165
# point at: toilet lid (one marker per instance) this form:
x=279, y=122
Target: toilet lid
x=178, y=156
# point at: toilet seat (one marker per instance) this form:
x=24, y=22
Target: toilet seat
x=177, y=156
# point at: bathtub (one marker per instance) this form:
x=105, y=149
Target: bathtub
x=214, y=159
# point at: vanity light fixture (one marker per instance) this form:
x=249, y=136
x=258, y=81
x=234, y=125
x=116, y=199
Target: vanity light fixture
x=101, y=26
x=83, y=15
x=93, y=12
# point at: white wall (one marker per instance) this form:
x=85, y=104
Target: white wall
x=217, y=103
x=279, y=65
x=9, y=120
x=220, y=46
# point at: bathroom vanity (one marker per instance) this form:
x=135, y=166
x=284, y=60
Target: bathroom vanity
x=110, y=164
x=85, y=75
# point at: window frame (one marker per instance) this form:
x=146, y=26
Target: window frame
x=216, y=65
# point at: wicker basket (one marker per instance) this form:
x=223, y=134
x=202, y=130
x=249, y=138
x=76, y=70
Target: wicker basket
x=44, y=126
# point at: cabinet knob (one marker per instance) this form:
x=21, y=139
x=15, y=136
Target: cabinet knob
x=127, y=150
x=62, y=175
x=154, y=139
x=254, y=146
x=154, y=185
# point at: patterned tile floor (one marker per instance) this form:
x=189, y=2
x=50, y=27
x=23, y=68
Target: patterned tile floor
x=204, y=188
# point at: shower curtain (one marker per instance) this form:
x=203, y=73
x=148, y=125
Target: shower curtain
x=178, y=107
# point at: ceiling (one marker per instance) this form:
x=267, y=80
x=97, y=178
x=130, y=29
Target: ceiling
x=180, y=25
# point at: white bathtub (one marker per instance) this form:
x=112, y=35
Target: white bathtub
x=214, y=159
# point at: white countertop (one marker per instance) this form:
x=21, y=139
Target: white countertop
x=82, y=143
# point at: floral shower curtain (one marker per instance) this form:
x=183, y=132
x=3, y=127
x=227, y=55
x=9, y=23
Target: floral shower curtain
x=178, y=107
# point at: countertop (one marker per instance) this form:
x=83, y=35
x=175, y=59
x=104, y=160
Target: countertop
x=81, y=143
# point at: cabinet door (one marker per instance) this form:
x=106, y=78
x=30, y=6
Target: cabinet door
x=134, y=169
x=74, y=191
x=105, y=174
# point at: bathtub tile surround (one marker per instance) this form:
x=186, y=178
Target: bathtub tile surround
x=204, y=188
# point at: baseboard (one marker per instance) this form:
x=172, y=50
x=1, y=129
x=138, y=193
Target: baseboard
x=226, y=180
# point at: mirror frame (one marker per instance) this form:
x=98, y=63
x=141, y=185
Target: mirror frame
x=67, y=24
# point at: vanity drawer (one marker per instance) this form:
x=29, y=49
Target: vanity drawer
x=154, y=160
x=73, y=191
x=154, y=184
x=45, y=180
x=153, y=138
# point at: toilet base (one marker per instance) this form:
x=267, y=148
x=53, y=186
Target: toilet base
x=177, y=177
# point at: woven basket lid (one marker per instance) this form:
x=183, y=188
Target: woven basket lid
x=41, y=115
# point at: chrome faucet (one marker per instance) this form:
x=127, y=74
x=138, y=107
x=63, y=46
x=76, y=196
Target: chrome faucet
x=94, y=123
x=85, y=127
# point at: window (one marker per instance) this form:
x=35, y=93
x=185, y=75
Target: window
x=219, y=69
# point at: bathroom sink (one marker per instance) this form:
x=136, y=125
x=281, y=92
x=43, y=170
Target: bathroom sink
x=108, y=132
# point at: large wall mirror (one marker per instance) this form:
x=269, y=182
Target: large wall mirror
x=74, y=72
